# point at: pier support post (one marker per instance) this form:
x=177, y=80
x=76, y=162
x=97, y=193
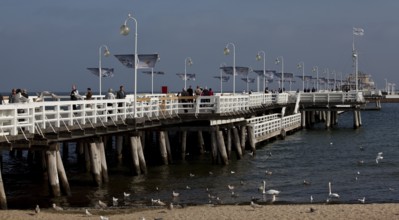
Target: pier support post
x=328, y=119
x=3, y=198
x=168, y=149
x=243, y=138
x=135, y=155
x=95, y=164
x=62, y=174
x=104, y=167
x=360, y=117
x=237, y=143
x=140, y=152
x=200, y=142
x=119, y=147
x=214, y=147
x=228, y=144
x=87, y=157
x=222, y=147
x=355, y=119
x=162, y=147
x=52, y=173
x=303, y=119
x=251, y=137
x=183, y=144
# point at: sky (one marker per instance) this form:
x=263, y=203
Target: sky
x=47, y=44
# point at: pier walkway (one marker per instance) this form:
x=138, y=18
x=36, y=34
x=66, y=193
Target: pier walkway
x=41, y=126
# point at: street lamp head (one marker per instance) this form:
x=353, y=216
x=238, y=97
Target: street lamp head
x=106, y=52
x=190, y=61
x=226, y=51
x=124, y=30
x=277, y=61
x=258, y=57
x=315, y=68
x=299, y=65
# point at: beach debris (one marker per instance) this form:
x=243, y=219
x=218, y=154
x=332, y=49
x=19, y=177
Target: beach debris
x=311, y=209
x=57, y=208
x=87, y=212
x=37, y=209
x=102, y=204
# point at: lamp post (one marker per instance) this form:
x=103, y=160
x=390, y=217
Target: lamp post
x=316, y=69
x=335, y=80
x=227, y=52
x=326, y=71
x=259, y=57
x=124, y=30
x=282, y=71
x=221, y=76
x=299, y=66
x=355, y=57
x=188, y=61
x=100, y=75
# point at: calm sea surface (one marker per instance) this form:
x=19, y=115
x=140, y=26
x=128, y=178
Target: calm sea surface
x=316, y=155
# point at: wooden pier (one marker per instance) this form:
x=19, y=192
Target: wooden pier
x=221, y=124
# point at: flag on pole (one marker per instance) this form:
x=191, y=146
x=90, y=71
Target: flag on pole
x=144, y=60
x=190, y=76
x=224, y=78
x=105, y=72
x=358, y=31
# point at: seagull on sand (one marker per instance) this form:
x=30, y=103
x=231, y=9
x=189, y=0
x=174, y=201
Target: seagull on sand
x=254, y=205
x=102, y=204
x=57, y=208
x=37, y=209
x=87, y=212
x=330, y=194
x=104, y=217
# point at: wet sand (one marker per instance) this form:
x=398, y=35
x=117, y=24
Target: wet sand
x=223, y=212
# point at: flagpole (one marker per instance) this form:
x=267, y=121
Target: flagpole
x=189, y=62
x=152, y=80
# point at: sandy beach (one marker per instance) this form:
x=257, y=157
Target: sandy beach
x=224, y=212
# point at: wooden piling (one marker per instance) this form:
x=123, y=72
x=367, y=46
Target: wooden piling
x=95, y=164
x=251, y=137
x=162, y=147
x=3, y=198
x=228, y=144
x=52, y=173
x=104, y=167
x=303, y=119
x=222, y=147
x=360, y=117
x=87, y=157
x=168, y=149
x=119, y=147
x=200, y=142
x=214, y=150
x=328, y=119
x=62, y=174
x=237, y=143
x=183, y=144
x=143, y=165
x=135, y=155
x=243, y=138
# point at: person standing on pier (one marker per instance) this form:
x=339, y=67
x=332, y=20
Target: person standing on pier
x=89, y=94
x=11, y=97
x=121, y=95
x=74, y=95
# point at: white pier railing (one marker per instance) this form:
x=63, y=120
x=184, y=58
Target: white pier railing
x=33, y=116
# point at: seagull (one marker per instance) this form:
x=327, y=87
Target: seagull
x=210, y=173
x=311, y=199
x=192, y=175
x=37, y=209
x=268, y=172
x=187, y=187
x=88, y=213
x=254, y=205
x=305, y=182
x=114, y=201
x=102, y=204
x=362, y=200
x=175, y=194
x=330, y=194
x=126, y=194
x=379, y=157
x=232, y=172
x=57, y=208
x=231, y=187
x=170, y=207
x=263, y=187
x=104, y=217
